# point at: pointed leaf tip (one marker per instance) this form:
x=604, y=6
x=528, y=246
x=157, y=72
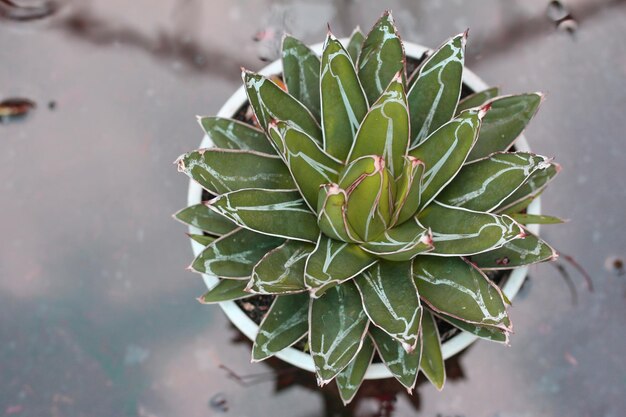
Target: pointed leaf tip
x=431, y=361
x=414, y=161
x=180, y=163
x=329, y=32
x=402, y=365
x=542, y=96
x=482, y=111
x=206, y=220
x=379, y=163
x=427, y=238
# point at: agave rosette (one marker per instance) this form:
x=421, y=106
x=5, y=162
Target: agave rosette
x=369, y=202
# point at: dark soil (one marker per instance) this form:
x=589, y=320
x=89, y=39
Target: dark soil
x=257, y=306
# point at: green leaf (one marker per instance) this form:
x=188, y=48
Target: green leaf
x=484, y=332
x=356, y=170
x=516, y=253
x=233, y=134
x=408, y=190
x=235, y=254
x=343, y=101
x=391, y=301
x=518, y=206
x=403, y=366
x=477, y=99
x=382, y=56
x=337, y=327
x=285, y=323
x=202, y=217
x=333, y=262
x=221, y=170
x=349, y=380
x=456, y=288
x=530, y=189
x=484, y=184
x=355, y=44
x=435, y=89
x=402, y=242
x=370, y=196
x=309, y=164
x=281, y=271
x=270, y=102
x=331, y=216
x=459, y=232
x=525, y=218
x=225, y=290
x=204, y=240
x=301, y=71
x=385, y=129
x=445, y=151
x=431, y=362
x=506, y=119
x=281, y=213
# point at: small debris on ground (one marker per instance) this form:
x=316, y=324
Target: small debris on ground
x=15, y=108
x=615, y=264
x=561, y=16
x=218, y=403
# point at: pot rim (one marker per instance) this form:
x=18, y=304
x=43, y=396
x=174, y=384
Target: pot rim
x=297, y=357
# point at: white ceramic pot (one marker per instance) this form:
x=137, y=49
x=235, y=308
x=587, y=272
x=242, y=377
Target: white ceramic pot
x=297, y=357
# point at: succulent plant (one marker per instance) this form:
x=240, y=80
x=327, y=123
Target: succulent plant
x=371, y=203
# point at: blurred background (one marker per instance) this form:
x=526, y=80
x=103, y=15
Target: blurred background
x=97, y=314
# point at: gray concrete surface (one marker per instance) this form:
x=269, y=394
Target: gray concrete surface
x=97, y=315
